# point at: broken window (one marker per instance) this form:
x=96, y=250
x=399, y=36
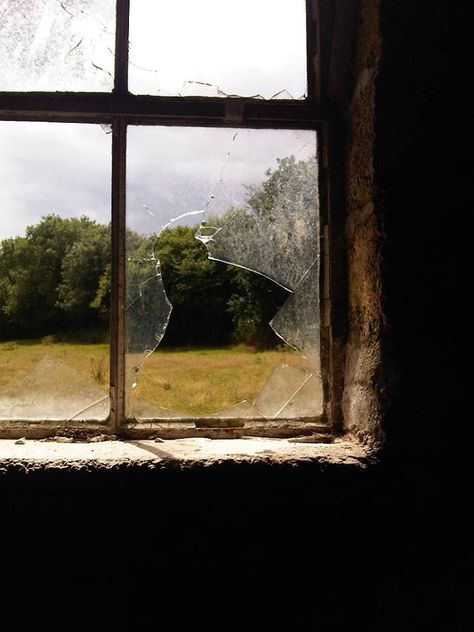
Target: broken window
x=209, y=263
x=249, y=196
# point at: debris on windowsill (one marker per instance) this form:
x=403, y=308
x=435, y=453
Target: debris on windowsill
x=58, y=439
x=313, y=438
x=78, y=438
x=256, y=438
x=102, y=437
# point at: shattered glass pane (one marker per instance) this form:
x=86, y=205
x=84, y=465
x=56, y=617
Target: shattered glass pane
x=54, y=272
x=147, y=305
x=297, y=322
x=223, y=275
x=280, y=216
x=57, y=45
x=215, y=49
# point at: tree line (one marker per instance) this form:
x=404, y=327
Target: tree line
x=57, y=278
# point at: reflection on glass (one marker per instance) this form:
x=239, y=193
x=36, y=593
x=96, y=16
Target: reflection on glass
x=222, y=274
x=54, y=272
x=215, y=48
x=65, y=45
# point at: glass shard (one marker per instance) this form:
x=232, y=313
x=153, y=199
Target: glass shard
x=278, y=225
x=147, y=316
x=54, y=45
x=210, y=48
x=148, y=308
x=145, y=410
x=242, y=410
x=290, y=393
x=297, y=321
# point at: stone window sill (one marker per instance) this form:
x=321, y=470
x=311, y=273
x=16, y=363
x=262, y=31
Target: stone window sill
x=32, y=454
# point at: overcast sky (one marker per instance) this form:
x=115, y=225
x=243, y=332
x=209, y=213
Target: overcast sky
x=251, y=47
x=247, y=47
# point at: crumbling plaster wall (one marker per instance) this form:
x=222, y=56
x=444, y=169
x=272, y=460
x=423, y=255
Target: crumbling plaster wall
x=361, y=399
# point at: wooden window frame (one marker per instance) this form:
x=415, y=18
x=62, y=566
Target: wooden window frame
x=119, y=108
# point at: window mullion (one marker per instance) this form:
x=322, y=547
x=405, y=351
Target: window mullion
x=312, y=52
x=118, y=289
x=121, y=47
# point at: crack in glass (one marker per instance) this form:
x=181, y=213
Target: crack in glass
x=271, y=229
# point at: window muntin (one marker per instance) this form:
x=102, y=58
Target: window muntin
x=206, y=48
x=55, y=264
x=120, y=110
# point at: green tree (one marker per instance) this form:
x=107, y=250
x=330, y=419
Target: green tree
x=252, y=306
x=8, y=262
x=198, y=289
x=36, y=273
x=55, y=277
x=292, y=187
x=293, y=183
x=58, y=276
x=83, y=293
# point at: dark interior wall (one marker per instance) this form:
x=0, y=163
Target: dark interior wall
x=422, y=193
x=312, y=547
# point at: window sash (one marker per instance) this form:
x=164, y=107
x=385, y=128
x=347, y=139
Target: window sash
x=120, y=109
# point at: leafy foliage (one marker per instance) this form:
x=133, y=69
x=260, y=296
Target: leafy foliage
x=294, y=182
x=50, y=279
x=198, y=289
x=58, y=276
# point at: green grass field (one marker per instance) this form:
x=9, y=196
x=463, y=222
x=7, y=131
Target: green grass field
x=192, y=381
x=18, y=358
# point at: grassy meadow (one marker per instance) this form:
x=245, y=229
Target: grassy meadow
x=196, y=381
x=18, y=358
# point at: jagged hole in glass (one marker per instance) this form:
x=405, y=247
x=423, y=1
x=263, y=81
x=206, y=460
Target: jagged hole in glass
x=279, y=242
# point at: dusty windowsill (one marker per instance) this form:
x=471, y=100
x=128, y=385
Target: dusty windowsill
x=180, y=453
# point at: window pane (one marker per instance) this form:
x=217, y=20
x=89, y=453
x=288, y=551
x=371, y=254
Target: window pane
x=54, y=271
x=216, y=48
x=54, y=45
x=238, y=332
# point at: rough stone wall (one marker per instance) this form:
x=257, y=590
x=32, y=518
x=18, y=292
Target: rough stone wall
x=361, y=399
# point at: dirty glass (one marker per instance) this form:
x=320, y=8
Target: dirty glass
x=222, y=318
x=57, y=45
x=54, y=271
x=252, y=48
